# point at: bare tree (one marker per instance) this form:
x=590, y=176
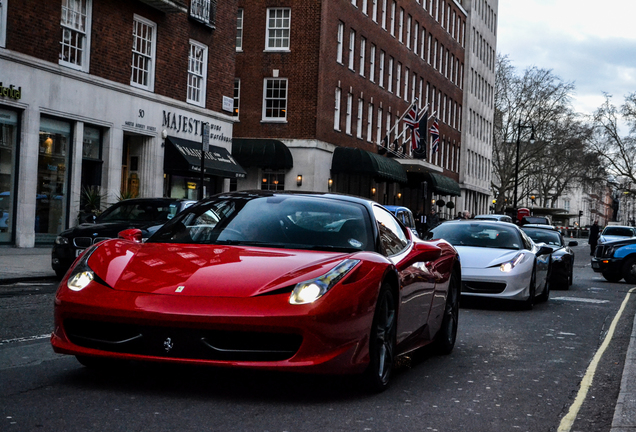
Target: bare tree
x=536, y=102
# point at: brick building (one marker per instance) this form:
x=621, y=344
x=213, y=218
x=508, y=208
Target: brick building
x=110, y=93
x=322, y=86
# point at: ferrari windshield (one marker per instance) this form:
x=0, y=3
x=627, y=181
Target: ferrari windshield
x=293, y=222
x=489, y=234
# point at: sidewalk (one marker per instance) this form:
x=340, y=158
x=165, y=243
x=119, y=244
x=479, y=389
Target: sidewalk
x=24, y=264
x=20, y=264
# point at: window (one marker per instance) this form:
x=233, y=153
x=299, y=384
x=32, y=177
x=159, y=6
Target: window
x=340, y=42
x=203, y=11
x=275, y=99
x=359, y=119
x=401, y=26
x=336, y=112
x=372, y=64
x=273, y=180
x=239, y=30
x=393, y=6
x=406, y=84
x=374, y=11
x=392, y=236
x=143, y=53
x=390, y=89
x=365, y=5
x=378, y=127
x=278, y=27
x=197, y=73
x=352, y=48
x=3, y=22
x=384, y=2
x=237, y=97
x=370, y=123
x=381, y=83
x=348, y=114
x=363, y=49
x=409, y=21
x=75, y=22
x=398, y=75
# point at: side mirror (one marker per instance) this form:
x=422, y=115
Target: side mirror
x=544, y=250
x=132, y=234
x=573, y=243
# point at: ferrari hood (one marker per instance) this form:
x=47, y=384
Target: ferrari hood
x=479, y=257
x=206, y=270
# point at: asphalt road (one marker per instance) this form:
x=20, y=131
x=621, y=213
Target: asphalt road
x=511, y=370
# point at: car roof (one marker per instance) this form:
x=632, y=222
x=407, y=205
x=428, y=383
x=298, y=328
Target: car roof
x=394, y=208
x=541, y=226
x=492, y=216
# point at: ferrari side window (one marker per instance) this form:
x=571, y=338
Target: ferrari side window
x=392, y=237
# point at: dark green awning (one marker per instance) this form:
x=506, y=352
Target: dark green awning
x=357, y=161
x=262, y=153
x=443, y=185
x=184, y=156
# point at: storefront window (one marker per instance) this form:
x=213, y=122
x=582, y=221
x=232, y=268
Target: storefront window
x=50, y=207
x=90, y=198
x=273, y=180
x=8, y=143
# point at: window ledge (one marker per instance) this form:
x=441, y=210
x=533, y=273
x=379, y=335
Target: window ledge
x=273, y=121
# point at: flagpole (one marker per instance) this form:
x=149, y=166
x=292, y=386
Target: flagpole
x=388, y=134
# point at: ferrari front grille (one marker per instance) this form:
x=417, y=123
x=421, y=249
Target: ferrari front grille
x=483, y=287
x=186, y=343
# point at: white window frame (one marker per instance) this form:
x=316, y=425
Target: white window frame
x=363, y=50
x=406, y=83
x=349, y=113
x=79, y=39
x=374, y=11
x=280, y=31
x=409, y=23
x=340, y=41
x=359, y=119
x=381, y=71
x=3, y=22
x=372, y=63
x=336, y=111
x=239, y=29
x=398, y=75
x=390, y=77
x=393, y=11
x=265, y=117
x=370, y=123
x=236, y=111
x=197, y=74
x=150, y=55
x=352, y=49
x=384, y=7
x=365, y=6
x=401, y=26
x=378, y=127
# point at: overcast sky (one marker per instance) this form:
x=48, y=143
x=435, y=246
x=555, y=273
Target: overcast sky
x=588, y=42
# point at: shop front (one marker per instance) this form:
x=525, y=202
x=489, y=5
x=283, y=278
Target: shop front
x=182, y=169
x=9, y=132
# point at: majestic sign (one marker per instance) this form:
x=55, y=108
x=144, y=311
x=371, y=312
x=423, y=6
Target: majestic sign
x=189, y=125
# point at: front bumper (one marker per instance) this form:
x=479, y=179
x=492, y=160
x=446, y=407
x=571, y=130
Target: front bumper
x=602, y=265
x=492, y=282
x=263, y=332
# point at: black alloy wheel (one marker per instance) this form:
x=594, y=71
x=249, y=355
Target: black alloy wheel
x=529, y=302
x=382, y=341
x=447, y=335
x=629, y=270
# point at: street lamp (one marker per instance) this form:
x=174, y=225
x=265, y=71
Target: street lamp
x=519, y=127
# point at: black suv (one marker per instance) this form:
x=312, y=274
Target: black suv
x=147, y=214
x=616, y=260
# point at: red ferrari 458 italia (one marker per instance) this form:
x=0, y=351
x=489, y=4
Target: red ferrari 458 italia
x=319, y=283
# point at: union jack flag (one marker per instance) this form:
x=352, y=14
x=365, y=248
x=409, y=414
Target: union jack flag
x=413, y=122
x=434, y=131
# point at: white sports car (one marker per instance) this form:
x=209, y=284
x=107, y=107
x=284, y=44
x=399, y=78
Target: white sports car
x=498, y=260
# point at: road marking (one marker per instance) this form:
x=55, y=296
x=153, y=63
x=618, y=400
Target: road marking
x=25, y=339
x=586, y=383
x=582, y=300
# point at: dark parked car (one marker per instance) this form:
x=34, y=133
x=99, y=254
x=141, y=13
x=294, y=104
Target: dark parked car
x=616, y=260
x=147, y=214
x=404, y=215
x=562, y=258
x=494, y=217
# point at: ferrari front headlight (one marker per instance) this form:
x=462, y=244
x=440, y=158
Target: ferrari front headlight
x=311, y=290
x=81, y=275
x=509, y=265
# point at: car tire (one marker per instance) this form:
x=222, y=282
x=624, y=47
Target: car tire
x=629, y=270
x=612, y=277
x=447, y=334
x=382, y=341
x=528, y=304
